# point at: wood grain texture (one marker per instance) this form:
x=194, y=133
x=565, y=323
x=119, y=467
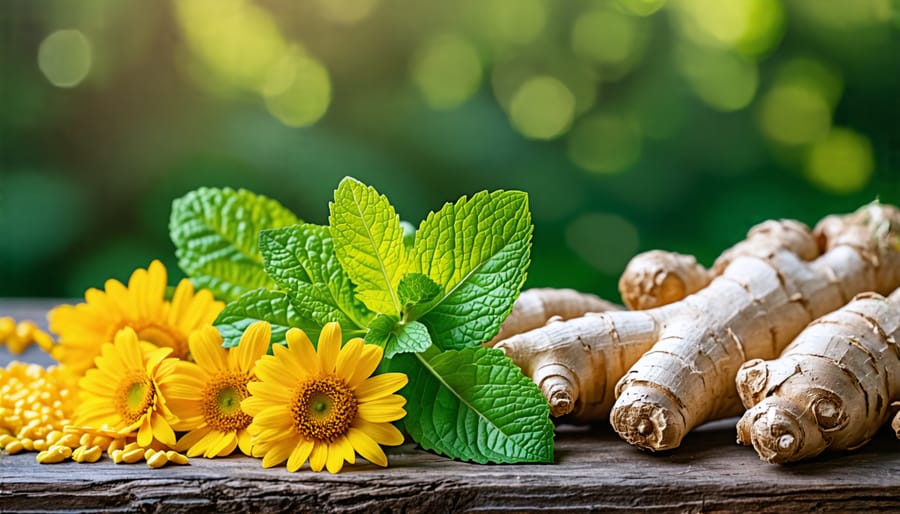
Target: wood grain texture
x=594, y=471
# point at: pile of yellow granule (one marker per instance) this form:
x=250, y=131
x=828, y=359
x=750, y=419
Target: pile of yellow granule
x=18, y=336
x=36, y=407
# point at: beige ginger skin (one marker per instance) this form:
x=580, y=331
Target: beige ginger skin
x=764, y=297
x=535, y=307
x=657, y=277
x=830, y=389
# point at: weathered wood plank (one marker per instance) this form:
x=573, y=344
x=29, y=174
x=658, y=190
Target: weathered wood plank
x=594, y=471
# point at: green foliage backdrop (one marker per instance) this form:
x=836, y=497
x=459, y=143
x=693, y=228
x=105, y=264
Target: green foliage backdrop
x=632, y=124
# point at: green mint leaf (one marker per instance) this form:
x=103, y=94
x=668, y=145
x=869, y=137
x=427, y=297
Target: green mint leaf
x=475, y=405
x=215, y=233
x=368, y=241
x=416, y=288
x=265, y=305
x=396, y=338
x=301, y=260
x=478, y=250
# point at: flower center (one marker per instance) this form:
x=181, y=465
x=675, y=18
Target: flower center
x=222, y=402
x=323, y=408
x=134, y=397
x=162, y=336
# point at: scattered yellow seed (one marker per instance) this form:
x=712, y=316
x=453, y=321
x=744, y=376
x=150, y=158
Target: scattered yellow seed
x=132, y=456
x=13, y=447
x=149, y=453
x=116, y=456
x=85, y=439
x=158, y=460
x=61, y=450
x=176, y=458
x=70, y=440
x=132, y=446
x=40, y=445
x=115, y=444
x=5, y=438
x=27, y=443
x=93, y=454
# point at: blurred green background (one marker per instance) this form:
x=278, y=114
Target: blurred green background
x=632, y=124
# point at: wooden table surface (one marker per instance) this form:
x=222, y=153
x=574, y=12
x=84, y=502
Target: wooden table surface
x=594, y=471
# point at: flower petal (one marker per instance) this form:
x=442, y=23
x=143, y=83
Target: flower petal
x=278, y=454
x=273, y=417
x=335, y=459
x=245, y=442
x=383, y=433
x=367, y=447
x=190, y=439
x=253, y=345
x=302, y=350
x=206, y=348
x=348, y=358
x=383, y=410
x=162, y=431
x=223, y=446
x=329, y=346
x=318, y=456
x=300, y=454
x=380, y=386
x=368, y=361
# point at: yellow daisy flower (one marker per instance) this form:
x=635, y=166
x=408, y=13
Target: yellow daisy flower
x=206, y=396
x=323, y=405
x=122, y=392
x=83, y=328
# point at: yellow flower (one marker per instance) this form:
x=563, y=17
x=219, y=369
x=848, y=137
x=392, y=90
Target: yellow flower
x=323, y=406
x=122, y=392
x=83, y=328
x=206, y=397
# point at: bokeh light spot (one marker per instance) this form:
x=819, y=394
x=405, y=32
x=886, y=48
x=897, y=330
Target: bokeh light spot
x=812, y=74
x=642, y=7
x=604, y=144
x=604, y=36
x=842, y=162
x=605, y=241
x=542, y=108
x=794, y=115
x=722, y=80
x=750, y=27
x=346, y=12
x=305, y=98
x=509, y=22
x=237, y=40
x=64, y=57
x=447, y=71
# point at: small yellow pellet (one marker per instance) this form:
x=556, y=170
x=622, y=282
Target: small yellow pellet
x=176, y=458
x=157, y=460
x=7, y=327
x=5, y=438
x=54, y=436
x=132, y=446
x=70, y=440
x=101, y=441
x=65, y=451
x=116, y=444
x=13, y=447
x=85, y=454
x=116, y=456
x=149, y=453
x=132, y=456
x=85, y=439
x=40, y=445
x=27, y=443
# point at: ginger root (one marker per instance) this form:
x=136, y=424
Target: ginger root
x=535, y=307
x=657, y=277
x=831, y=388
x=764, y=297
